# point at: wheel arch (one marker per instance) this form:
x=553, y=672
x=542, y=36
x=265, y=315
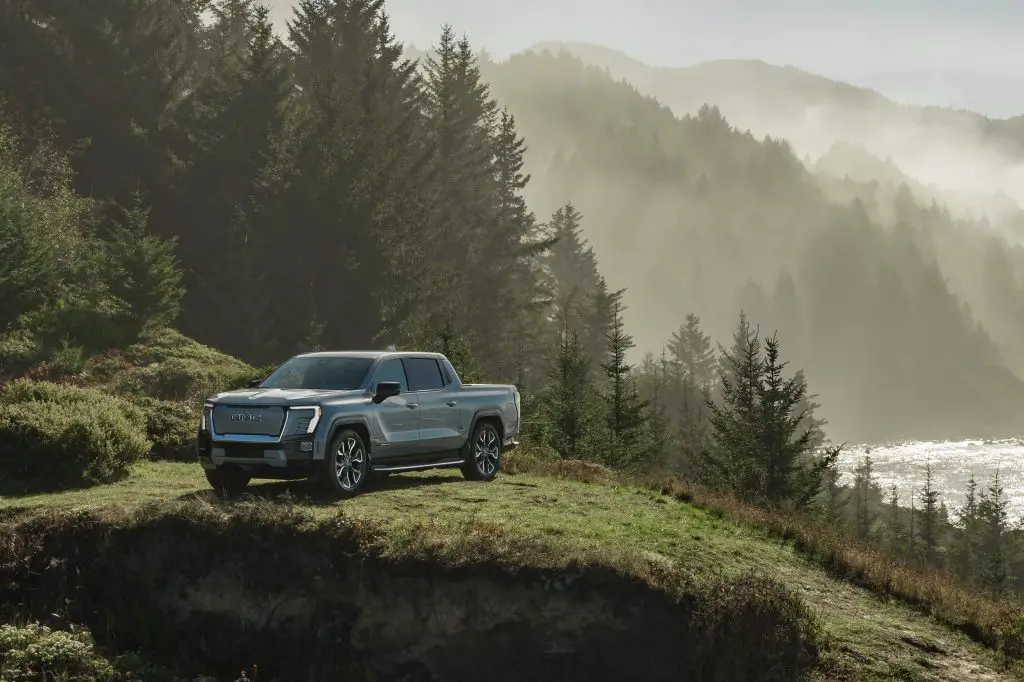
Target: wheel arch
x=490, y=415
x=357, y=424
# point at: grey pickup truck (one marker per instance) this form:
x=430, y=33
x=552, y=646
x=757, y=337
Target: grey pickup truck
x=345, y=416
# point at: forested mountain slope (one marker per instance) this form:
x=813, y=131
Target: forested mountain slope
x=693, y=215
x=959, y=150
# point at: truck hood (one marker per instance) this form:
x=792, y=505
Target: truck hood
x=278, y=396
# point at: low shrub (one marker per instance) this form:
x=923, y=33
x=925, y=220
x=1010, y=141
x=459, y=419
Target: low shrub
x=171, y=426
x=174, y=379
x=166, y=365
x=545, y=461
x=52, y=445
x=55, y=436
x=777, y=629
x=28, y=391
x=35, y=652
x=18, y=351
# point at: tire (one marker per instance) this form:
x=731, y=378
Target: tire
x=347, y=463
x=483, y=453
x=228, y=481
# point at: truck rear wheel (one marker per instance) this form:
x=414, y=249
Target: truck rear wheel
x=228, y=480
x=347, y=463
x=483, y=456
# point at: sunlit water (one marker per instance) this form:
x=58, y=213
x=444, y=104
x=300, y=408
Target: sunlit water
x=952, y=463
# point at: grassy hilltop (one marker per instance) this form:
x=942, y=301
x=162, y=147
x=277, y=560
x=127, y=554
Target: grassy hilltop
x=175, y=548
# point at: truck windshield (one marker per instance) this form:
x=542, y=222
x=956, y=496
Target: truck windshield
x=320, y=373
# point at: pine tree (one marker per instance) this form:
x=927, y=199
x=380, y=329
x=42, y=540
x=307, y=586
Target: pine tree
x=570, y=268
x=462, y=119
x=833, y=499
x=896, y=534
x=356, y=172
x=930, y=522
x=968, y=534
x=658, y=422
x=142, y=272
x=29, y=263
x=758, y=426
x=599, y=319
x=735, y=423
x=995, y=543
x=509, y=303
x=236, y=118
x=568, y=400
x=864, y=488
x=691, y=350
x=625, y=415
x=793, y=470
x=911, y=548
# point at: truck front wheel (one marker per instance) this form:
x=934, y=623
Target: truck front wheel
x=346, y=464
x=483, y=456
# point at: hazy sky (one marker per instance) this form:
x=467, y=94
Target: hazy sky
x=960, y=53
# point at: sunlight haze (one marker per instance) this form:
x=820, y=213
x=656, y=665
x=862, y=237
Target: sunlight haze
x=958, y=54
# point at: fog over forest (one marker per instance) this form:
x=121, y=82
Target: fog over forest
x=676, y=257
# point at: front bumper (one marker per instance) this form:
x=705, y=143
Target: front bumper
x=254, y=456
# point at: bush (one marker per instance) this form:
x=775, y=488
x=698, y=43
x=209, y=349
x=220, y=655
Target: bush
x=18, y=351
x=164, y=344
x=171, y=426
x=54, y=436
x=543, y=460
x=778, y=632
x=28, y=391
x=35, y=652
x=166, y=365
x=175, y=379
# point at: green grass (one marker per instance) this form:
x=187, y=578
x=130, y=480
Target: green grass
x=870, y=638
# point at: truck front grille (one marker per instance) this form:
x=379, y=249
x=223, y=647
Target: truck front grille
x=231, y=420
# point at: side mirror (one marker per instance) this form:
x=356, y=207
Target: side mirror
x=385, y=390
x=253, y=383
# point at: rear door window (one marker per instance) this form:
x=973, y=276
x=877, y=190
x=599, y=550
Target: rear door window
x=424, y=374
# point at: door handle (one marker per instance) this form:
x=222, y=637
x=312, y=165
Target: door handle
x=451, y=403
x=412, y=406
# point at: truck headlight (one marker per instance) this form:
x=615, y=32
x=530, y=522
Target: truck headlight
x=307, y=418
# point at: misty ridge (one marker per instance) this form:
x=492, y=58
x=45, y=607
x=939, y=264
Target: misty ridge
x=881, y=241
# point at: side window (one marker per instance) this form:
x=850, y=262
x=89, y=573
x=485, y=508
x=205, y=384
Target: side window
x=424, y=374
x=391, y=370
x=446, y=375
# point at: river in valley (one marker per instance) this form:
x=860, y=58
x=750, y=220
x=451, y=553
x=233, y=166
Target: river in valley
x=952, y=463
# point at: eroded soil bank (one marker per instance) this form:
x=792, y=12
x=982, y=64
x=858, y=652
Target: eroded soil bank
x=208, y=590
